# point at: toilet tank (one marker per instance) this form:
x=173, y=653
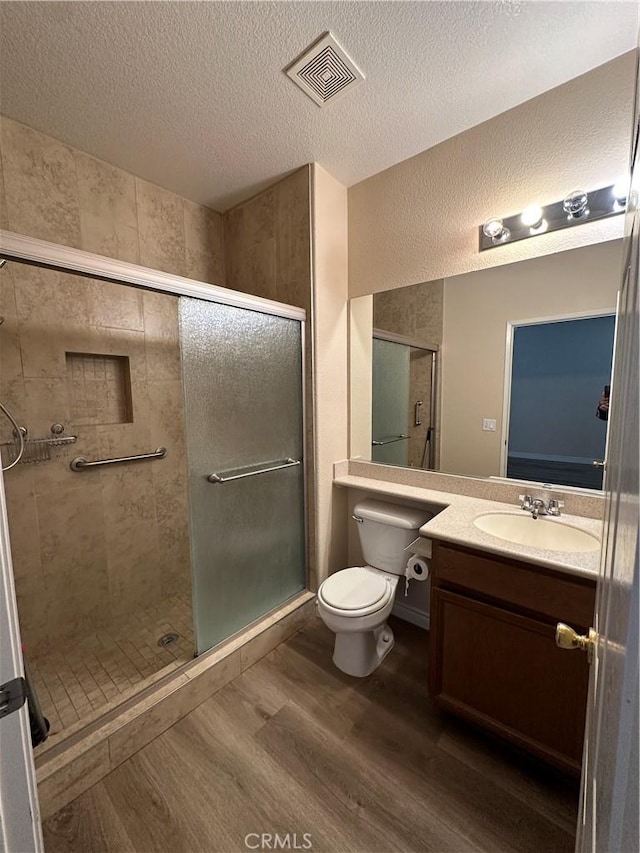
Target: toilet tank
x=385, y=530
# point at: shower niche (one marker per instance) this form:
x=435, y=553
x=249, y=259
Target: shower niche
x=99, y=388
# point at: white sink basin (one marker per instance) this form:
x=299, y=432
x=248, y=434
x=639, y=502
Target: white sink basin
x=549, y=534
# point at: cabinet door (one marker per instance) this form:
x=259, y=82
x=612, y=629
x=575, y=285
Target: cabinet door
x=505, y=672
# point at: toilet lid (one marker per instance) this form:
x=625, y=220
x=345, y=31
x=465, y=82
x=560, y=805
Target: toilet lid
x=354, y=589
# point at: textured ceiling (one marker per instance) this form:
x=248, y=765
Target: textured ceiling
x=192, y=96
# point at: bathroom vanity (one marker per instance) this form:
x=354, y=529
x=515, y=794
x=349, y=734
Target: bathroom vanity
x=493, y=658
x=497, y=594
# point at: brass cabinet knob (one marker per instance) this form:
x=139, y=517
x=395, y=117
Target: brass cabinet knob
x=567, y=638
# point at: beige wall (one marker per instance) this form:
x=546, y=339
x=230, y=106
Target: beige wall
x=329, y=230
x=418, y=220
x=477, y=308
x=90, y=548
x=360, y=376
x=54, y=192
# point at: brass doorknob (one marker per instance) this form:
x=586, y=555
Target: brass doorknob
x=567, y=638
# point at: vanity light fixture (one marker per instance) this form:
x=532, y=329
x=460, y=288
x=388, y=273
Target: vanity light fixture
x=532, y=216
x=494, y=229
x=620, y=192
x=576, y=208
x=575, y=204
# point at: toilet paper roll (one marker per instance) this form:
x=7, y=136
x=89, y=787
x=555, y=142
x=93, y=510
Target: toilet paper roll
x=417, y=568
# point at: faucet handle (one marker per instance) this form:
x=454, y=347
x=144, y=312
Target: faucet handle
x=555, y=507
x=525, y=502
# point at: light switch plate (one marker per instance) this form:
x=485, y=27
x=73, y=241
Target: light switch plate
x=489, y=425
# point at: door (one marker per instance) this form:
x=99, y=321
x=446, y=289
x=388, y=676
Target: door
x=390, y=403
x=609, y=809
x=559, y=372
x=19, y=813
x=242, y=373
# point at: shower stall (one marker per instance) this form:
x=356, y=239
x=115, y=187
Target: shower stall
x=152, y=437
x=404, y=413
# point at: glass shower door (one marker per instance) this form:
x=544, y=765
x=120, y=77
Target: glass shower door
x=242, y=373
x=390, y=403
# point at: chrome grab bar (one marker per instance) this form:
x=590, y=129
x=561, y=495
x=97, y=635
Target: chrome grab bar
x=221, y=478
x=80, y=462
x=390, y=440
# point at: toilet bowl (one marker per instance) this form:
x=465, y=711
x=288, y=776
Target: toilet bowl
x=356, y=602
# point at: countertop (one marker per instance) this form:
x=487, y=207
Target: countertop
x=454, y=523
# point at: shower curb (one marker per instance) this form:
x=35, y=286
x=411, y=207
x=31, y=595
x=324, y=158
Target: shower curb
x=73, y=766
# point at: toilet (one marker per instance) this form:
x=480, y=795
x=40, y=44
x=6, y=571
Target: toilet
x=355, y=602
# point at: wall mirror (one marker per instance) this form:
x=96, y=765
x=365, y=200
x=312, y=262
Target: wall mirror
x=502, y=372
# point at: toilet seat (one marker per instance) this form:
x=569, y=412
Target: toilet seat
x=357, y=591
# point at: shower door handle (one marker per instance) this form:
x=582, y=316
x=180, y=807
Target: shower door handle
x=225, y=477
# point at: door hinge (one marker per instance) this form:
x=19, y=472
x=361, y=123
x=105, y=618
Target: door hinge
x=12, y=696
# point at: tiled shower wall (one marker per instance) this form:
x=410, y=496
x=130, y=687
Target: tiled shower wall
x=92, y=547
x=54, y=192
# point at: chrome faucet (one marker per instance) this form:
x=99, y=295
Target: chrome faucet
x=538, y=506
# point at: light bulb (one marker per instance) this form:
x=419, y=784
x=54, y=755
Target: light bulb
x=532, y=216
x=495, y=230
x=620, y=189
x=575, y=204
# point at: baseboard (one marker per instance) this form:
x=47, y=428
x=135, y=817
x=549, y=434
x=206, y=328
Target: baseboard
x=410, y=614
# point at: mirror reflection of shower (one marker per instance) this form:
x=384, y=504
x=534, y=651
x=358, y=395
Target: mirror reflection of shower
x=404, y=400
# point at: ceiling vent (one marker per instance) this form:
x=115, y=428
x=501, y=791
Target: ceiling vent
x=325, y=72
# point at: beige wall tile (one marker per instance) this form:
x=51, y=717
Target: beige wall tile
x=50, y=297
x=115, y=440
x=114, y=305
x=45, y=403
x=166, y=415
x=43, y=352
x=160, y=228
x=128, y=493
x=133, y=560
x=293, y=228
x=72, y=530
x=4, y=216
x=107, y=200
x=204, y=250
x=233, y=224
x=41, y=186
x=175, y=557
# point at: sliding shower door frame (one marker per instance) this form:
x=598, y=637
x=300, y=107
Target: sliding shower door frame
x=30, y=250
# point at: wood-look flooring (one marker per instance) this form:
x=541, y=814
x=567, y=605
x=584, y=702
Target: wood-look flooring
x=295, y=746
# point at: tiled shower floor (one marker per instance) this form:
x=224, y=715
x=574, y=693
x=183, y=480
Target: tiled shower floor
x=81, y=679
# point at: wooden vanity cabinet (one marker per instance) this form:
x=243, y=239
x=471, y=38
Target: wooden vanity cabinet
x=493, y=658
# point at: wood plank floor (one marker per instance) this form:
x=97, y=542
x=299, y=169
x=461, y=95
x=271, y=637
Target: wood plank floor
x=295, y=746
